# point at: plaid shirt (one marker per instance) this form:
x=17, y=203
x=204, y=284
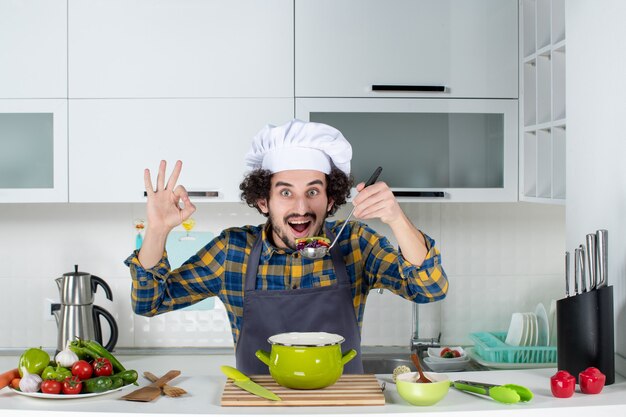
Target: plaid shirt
x=219, y=269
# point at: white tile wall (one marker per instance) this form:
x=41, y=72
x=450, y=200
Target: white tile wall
x=499, y=258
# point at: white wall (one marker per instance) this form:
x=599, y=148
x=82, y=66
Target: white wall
x=499, y=258
x=596, y=146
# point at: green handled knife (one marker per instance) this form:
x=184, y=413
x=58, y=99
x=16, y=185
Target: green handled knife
x=247, y=384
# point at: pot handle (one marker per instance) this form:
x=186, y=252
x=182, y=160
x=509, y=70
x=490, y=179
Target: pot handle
x=348, y=356
x=263, y=356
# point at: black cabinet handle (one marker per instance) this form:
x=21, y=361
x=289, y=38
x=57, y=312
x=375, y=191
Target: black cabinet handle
x=209, y=194
x=419, y=88
x=437, y=194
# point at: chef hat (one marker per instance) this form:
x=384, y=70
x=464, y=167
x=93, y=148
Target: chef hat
x=299, y=145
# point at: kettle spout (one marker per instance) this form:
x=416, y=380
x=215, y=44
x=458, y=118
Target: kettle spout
x=56, y=312
x=59, y=282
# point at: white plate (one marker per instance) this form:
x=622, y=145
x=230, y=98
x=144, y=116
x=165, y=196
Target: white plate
x=516, y=330
x=68, y=396
x=447, y=366
x=543, y=326
x=435, y=354
x=506, y=365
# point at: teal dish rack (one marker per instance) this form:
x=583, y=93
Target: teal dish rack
x=491, y=347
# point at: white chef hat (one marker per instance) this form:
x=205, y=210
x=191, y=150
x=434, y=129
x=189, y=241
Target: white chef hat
x=299, y=145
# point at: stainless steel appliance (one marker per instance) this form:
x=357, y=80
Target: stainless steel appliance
x=76, y=316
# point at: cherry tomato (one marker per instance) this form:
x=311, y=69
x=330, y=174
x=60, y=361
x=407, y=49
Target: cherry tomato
x=50, y=386
x=82, y=369
x=456, y=354
x=444, y=351
x=102, y=367
x=72, y=385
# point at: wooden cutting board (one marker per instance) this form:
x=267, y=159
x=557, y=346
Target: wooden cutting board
x=349, y=390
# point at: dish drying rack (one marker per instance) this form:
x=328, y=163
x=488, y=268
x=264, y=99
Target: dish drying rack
x=491, y=347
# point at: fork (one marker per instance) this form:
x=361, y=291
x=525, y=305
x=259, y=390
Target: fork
x=168, y=390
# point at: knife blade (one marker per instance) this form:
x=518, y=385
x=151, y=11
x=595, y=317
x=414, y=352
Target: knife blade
x=602, y=242
x=244, y=382
x=590, y=260
x=583, y=269
x=577, y=258
x=566, y=274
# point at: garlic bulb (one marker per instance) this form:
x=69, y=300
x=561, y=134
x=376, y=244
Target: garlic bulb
x=66, y=358
x=30, y=382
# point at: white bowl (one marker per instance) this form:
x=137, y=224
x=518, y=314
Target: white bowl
x=435, y=354
x=447, y=365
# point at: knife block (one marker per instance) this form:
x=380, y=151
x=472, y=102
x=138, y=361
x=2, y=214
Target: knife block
x=585, y=333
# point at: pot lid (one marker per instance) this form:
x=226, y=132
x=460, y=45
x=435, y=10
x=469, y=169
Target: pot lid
x=306, y=339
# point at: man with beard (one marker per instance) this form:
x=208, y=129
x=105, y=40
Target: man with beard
x=299, y=175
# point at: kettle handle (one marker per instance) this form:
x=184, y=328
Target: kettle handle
x=95, y=281
x=99, y=311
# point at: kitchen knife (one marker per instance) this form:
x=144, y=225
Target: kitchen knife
x=247, y=384
x=583, y=269
x=590, y=260
x=576, y=271
x=602, y=242
x=566, y=274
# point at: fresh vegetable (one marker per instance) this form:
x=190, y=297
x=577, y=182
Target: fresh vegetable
x=129, y=376
x=30, y=382
x=50, y=386
x=72, y=385
x=82, y=369
x=98, y=384
x=312, y=242
x=95, y=350
x=449, y=353
x=57, y=373
x=15, y=383
x=66, y=357
x=117, y=382
x=591, y=381
x=8, y=376
x=102, y=367
x=33, y=361
x=562, y=384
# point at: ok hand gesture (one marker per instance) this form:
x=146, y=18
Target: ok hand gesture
x=164, y=211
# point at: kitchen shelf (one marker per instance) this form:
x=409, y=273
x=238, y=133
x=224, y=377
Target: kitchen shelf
x=542, y=111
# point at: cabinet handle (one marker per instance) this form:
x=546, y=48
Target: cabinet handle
x=421, y=88
x=437, y=194
x=209, y=194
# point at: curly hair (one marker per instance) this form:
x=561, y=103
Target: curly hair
x=257, y=184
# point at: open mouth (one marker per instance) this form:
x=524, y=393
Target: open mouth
x=300, y=228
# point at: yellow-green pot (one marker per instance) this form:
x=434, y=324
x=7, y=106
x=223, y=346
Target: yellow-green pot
x=306, y=360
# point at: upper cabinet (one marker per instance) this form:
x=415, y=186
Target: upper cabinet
x=542, y=113
x=33, y=49
x=180, y=49
x=467, y=48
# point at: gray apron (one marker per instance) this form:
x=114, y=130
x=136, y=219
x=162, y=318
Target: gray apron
x=320, y=309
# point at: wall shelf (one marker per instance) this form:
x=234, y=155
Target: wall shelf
x=542, y=111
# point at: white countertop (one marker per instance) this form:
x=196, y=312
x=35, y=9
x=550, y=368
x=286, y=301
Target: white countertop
x=203, y=380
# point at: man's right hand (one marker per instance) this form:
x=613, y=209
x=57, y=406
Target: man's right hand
x=164, y=212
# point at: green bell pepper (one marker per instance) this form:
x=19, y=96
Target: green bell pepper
x=58, y=374
x=33, y=361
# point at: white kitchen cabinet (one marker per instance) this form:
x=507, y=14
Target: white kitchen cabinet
x=33, y=49
x=451, y=150
x=180, y=48
x=344, y=48
x=33, y=150
x=542, y=92
x=112, y=141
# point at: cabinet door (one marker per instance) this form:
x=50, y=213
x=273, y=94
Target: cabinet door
x=180, y=48
x=345, y=47
x=430, y=150
x=33, y=49
x=33, y=151
x=112, y=141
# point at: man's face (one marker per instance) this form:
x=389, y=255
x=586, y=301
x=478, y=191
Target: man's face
x=297, y=207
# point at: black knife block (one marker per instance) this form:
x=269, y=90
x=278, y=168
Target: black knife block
x=585, y=333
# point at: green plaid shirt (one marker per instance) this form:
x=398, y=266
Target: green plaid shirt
x=219, y=269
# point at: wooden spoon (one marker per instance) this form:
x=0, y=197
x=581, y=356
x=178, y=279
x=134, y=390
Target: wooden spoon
x=422, y=377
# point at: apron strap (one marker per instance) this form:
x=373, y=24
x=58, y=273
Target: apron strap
x=253, y=264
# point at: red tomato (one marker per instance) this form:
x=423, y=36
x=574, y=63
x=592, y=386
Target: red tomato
x=456, y=353
x=72, y=385
x=102, y=367
x=82, y=369
x=50, y=386
x=444, y=351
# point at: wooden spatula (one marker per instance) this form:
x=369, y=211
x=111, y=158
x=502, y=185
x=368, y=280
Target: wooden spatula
x=152, y=391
